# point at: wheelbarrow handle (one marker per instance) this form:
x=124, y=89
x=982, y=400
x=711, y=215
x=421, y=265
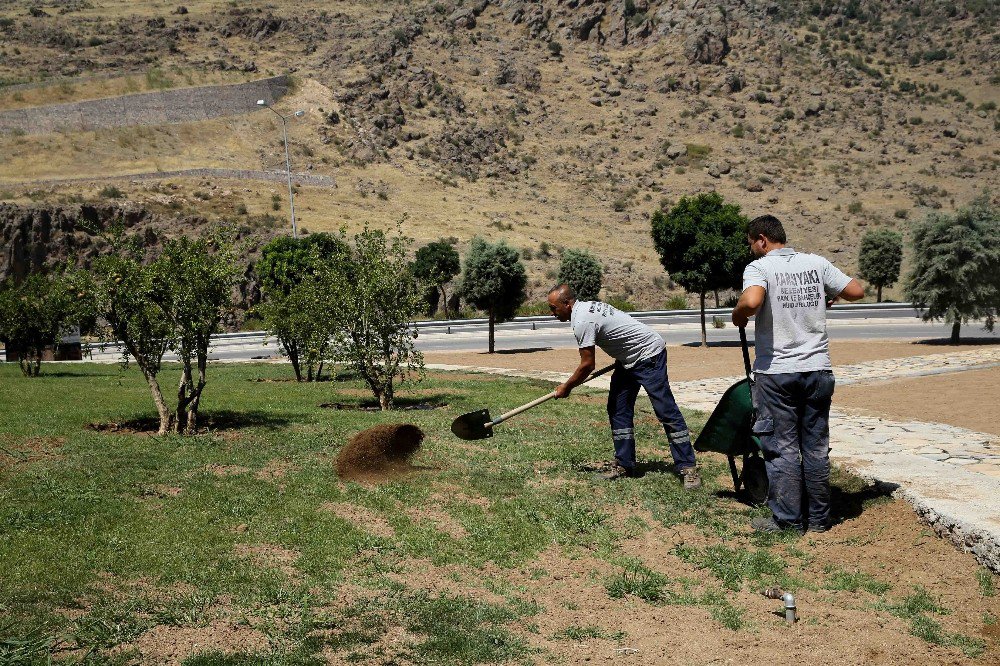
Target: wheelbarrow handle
x=537, y=401
x=746, y=351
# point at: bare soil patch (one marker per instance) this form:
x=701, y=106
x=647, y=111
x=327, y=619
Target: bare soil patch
x=684, y=363
x=226, y=470
x=964, y=399
x=16, y=451
x=270, y=555
x=362, y=518
x=171, y=645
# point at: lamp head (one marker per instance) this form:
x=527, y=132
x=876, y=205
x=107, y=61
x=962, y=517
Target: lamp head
x=299, y=114
x=261, y=102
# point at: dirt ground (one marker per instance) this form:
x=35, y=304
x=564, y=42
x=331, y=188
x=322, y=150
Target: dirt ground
x=938, y=398
x=964, y=399
x=884, y=541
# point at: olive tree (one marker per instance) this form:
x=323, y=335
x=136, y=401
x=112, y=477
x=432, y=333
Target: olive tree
x=880, y=258
x=956, y=266
x=373, y=312
x=494, y=281
x=436, y=264
x=582, y=272
x=35, y=315
x=296, y=284
x=200, y=275
x=702, y=243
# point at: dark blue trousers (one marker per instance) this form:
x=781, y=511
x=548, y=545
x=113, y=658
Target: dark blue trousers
x=650, y=374
x=793, y=422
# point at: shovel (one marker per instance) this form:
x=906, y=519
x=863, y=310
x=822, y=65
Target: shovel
x=478, y=425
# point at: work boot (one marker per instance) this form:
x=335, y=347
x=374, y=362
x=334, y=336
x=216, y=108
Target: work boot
x=770, y=525
x=691, y=478
x=616, y=472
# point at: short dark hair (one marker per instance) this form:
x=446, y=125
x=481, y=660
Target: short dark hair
x=768, y=226
x=565, y=291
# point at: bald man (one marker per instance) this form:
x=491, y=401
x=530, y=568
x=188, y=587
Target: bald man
x=640, y=361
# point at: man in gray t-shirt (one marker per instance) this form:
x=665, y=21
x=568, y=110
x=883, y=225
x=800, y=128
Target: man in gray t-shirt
x=640, y=362
x=789, y=292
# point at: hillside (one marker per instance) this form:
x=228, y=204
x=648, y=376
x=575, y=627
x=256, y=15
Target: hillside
x=550, y=124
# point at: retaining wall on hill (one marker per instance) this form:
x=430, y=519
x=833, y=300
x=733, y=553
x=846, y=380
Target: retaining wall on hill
x=154, y=108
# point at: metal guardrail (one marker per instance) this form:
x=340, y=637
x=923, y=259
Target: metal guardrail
x=247, y=337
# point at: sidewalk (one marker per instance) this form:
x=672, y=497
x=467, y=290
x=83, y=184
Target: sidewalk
x=950, y=475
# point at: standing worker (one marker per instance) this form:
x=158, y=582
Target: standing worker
x=789, y=292
x=640, y=361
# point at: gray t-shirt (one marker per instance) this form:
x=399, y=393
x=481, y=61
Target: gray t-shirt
x=790, y=328
x=619, y=335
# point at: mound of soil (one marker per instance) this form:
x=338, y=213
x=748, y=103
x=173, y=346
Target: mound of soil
x=380, y=452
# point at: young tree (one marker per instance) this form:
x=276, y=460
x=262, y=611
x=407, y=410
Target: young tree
x=436, y=264
x=35, y=315
x=956, y=266
x=294, y=280
x=582, y=271
x=702, y=243
x=133, y=299
x=880, y=258
x=200, y=275
x=494, y=281
x=374, y=308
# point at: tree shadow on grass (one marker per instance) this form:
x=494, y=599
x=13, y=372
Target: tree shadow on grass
x=214, y=421
x=416, y=403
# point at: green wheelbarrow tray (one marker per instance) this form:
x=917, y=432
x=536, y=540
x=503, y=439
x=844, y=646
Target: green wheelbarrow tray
x=729, y=431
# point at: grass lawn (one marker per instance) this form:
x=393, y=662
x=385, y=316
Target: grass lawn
x=241, y=546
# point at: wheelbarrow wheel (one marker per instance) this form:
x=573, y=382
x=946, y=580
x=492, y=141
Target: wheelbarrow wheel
x=754, y=480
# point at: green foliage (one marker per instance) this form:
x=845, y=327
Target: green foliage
x=702, y=244
x=880, y=258
x=956, y=266
x=676, y=302
x=494, y=281
x=111, y=192
x=582, y=271
x=637, y=580
x=735, y=566
x=436, y=264
x=852, y=581
x=377, y=300
x=36, y=314
x=915, y=607
x=200, y=275
x=987, y=587
x=297, y=278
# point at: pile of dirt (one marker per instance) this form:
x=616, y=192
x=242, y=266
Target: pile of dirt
x=380, y=452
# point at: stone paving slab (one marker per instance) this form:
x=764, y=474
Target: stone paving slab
x=950, y=475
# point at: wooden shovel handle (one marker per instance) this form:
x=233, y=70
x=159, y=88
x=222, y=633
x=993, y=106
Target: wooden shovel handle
x=537, y=401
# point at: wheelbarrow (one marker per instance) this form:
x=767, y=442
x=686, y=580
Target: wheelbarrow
x=729, y=431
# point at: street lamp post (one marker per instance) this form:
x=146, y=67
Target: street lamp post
x=288, y=163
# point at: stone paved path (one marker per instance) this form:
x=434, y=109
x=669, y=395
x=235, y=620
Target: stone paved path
x=950, y=475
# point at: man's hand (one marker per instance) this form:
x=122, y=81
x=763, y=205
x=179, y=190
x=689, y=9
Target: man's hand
x=739, y=319
x=750, y=301
x=563, y=391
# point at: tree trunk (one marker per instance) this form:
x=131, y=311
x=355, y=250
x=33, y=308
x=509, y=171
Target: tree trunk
x=293, y=356
x=492, y=339
x=704, y=331
x=192, y=415
x=319, y=372
x=716, y=297
x=955, y=327
x=385, y=399
x=161, y=404
x=444, y=299
x=183, y=396
x=878, y=298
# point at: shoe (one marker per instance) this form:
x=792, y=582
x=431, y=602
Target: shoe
x=617, y=472
x=818, y=528
x=768, y=524
x=691, y=477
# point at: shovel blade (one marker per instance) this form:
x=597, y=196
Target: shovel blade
x=473, y=425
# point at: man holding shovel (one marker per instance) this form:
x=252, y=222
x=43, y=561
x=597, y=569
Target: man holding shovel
x=640, y=362
x=789, y=293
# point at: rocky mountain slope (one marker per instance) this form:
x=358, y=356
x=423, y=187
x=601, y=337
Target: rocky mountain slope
x=549, y=123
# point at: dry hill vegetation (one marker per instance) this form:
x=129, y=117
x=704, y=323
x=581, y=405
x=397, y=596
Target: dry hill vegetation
x=551, y=124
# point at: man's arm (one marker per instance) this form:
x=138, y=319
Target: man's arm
x=852, y=292
x=580, y=374
x=750, y=301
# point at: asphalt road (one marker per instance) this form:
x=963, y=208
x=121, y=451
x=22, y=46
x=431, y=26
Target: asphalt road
x=872, y=324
